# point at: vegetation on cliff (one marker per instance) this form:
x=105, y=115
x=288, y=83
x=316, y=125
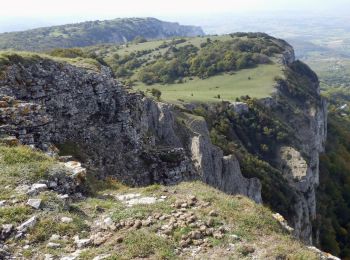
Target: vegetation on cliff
x=333, y=222
x=203, y=69
x=100, y=222
x=253, y=136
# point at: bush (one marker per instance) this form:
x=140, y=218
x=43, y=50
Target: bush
x=67, y=53
x=156, y=93
x=213, y=58
x=139, y=39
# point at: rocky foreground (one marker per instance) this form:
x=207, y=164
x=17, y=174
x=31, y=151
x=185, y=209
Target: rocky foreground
x=55, y=207
x=46, y=217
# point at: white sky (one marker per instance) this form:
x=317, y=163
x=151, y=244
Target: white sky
x=118, y=8
x=26, y=14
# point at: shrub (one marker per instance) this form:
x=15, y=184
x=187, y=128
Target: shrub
x=67, y=53
x=156, y=93
x=139, y=39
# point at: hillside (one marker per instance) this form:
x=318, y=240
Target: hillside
x=266, y=150
x=333, y=194
x=198, y=69
x=112, y=221
x=115, y=31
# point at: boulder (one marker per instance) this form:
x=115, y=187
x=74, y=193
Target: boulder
x=27, y=224
x=66, y=220
x=53, y=245
x=34, y=203
x=5, y=231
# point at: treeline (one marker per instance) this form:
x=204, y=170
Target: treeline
x=259, y=134
x=212, y=58
x=173, y=61
x=333, y=196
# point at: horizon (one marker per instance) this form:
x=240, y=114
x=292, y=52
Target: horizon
x=39, y=13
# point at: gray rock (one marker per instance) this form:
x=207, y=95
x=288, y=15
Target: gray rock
x=35, y=203
x=73, y=256
x=66, y=220
x=63, y=197
x=299, y=162
x=322, y=255
x=239, y=107
x=55, y=237
x=37, y=188
x=81, y=243
x=108, y=221
x=132, y=199
x=27, y=224
x=100, y=257
x=5, y=231
x=53, y=245
x=48, y=257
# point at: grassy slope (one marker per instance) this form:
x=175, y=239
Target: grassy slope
x=196, y=41
x=7, y=57
x=229, y=87
x=122, y=50
x=251, y=222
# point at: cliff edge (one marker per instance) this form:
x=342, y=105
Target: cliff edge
x=64, y=109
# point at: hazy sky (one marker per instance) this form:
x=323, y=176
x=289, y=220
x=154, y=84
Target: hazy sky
x=23, y=14
x=56, y=8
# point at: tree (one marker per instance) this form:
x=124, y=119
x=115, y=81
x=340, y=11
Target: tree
x=156, y=93
x=139, y=39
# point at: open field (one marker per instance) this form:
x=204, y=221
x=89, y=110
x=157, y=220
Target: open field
x=196, y=41
x=229, y=87
x=332, y=71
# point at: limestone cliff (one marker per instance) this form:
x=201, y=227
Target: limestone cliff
x=301, y=167
x=89, y=115
x=299, y=104
x=175, y=128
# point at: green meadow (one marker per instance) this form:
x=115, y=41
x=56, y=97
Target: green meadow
x=256, y=82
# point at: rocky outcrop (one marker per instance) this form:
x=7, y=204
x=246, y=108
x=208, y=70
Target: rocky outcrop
x=87, y=115
x=208, y=161
x=90, y=116
x=302, y=108
x=222, y=172
x=139, y=141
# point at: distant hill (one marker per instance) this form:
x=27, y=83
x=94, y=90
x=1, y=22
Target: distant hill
x=94, y=32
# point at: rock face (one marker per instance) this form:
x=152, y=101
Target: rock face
x=86, y=113
x=222, y=172
x=299, y=162
x=90, y=116
x=208, y=162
